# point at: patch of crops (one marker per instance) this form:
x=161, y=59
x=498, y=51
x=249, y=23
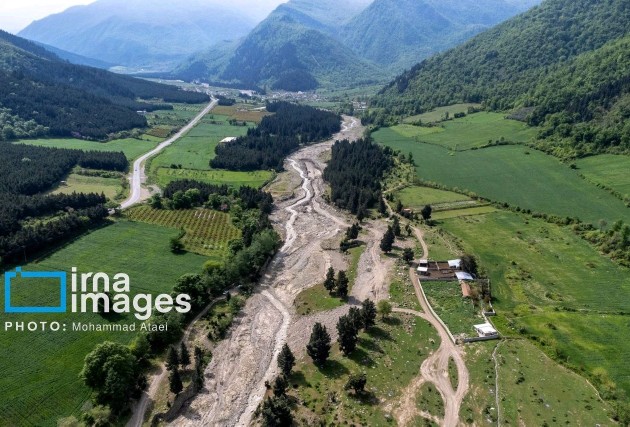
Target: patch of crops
x=206, y=231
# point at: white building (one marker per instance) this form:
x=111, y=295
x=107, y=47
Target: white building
x=486, y=330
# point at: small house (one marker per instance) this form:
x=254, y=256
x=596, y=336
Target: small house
x=486, y=330
x=455, y=264
x=462, y=275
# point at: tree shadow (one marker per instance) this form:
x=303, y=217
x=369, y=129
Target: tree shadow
x=298, y=379
x=361, y=357
x=333, y=369
x=392, y=321
x=365, y=398
x=379, y=333
x=370, y=345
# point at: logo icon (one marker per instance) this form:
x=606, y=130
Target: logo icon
x=58, y=275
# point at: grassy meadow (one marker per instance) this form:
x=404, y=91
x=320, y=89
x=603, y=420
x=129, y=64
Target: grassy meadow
x=44, y=365
x=438, y=114
x=457, y=312
x=111, y=187
x=235, y=179
x=608, y=170
x=390, y=354
x=514, y=174
x=553, y=287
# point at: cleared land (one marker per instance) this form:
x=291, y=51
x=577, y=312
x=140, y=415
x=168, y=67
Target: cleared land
x=514, y=174
x=207, y=232
x=437, y=115
x=189, y=158
x=390, y=354
x=243, y=112
x=472, y=131
x=608, y=170
x=111, y=187
x=132, y=147
x=415, y=197
x=555, y=288
x=457, y=312
x=45, y=365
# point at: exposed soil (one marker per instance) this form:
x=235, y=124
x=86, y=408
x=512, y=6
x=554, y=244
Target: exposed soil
x=235, y=379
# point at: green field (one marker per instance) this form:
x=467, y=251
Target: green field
x=533, y=389
x=254, y=179
x=437, y=115
x=514, y=174
x=475, y=130
x=554, y=287
x=416, y=198
x=41, y=368
x=132, y=148
x=390, y=354
x=208, y=232
x=196, y=149
x=608, y=170
x=111, y=187
x=454, y=213
x=457, y=312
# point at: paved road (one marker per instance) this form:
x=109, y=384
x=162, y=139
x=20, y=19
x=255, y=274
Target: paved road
x=138, y=177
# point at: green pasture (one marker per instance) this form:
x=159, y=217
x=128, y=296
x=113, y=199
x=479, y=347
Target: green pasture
x=551, y=285
x=514, y=174
x=41, y=368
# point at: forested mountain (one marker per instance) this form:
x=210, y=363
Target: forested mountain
x=290, y=50
x=42, y=95
x=565, y=63
x=400, y=33
x=142, y=33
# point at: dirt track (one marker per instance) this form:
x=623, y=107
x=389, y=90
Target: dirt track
x=235, y=379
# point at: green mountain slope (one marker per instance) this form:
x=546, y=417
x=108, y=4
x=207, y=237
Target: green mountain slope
x=289, y=50
x=548, y=61
x=152, y=34
x=399, y=33
x=42, y=95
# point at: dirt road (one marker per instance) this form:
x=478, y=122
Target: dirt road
x=435, y=368
x=235, y=379
x=138, y=176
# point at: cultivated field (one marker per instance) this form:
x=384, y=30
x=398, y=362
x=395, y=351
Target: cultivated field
x=208, y=232
x=41, y=368
x=437, y=115
x=469, y=132
x=90, y=184
x=390, y=354
x=608, y=170
x=457, y=312
x=554, y=287
x=235, y=179
x=515, y=174
x=243, y=112
x=132, y=148
x=416, y=198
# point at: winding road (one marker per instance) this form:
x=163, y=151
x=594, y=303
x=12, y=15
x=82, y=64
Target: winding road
x=138, y=176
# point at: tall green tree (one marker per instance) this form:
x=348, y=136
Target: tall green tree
x=111, y=370
x=387, y=242
x=329, y=282
x=286, y=360
x=172, y=358
x=368, y=311
x=276, y=412
x=408, y=255
x=184, y=355
x=384, y=308
x=348, y=335
x=396, y=226
x=426, y=212
x=318, y=347
x=175, y=382
x=356, y=317
x=342, y=284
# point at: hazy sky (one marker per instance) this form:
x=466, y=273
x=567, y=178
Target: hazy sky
x=17, y=14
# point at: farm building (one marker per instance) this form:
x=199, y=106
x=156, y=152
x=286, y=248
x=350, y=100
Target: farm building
x=228, y=139
x=455, y=264
x=486, y=330
x=423, y=267
x=462, y=275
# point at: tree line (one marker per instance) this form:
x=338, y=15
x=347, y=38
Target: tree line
x=354, y=174
x=266, y=146
x=28, y=171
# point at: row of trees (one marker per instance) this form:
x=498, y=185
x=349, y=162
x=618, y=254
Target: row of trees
x=354, y=174
x=266, y=146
